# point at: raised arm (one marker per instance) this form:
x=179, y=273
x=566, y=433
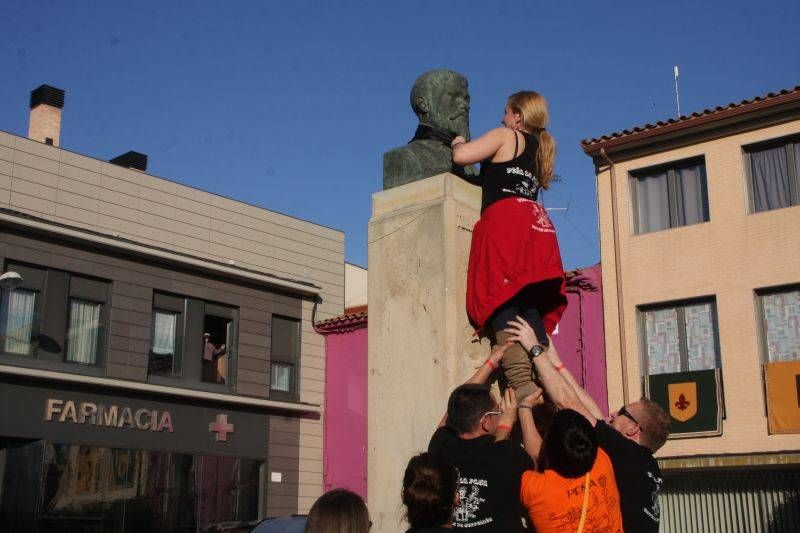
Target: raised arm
x=482, y=148
x=508, y=406
x=483, y=372
x=587, y=401
x=560, y=391
x=531, y=440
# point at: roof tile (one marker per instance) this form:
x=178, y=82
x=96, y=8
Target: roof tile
x=588, y=143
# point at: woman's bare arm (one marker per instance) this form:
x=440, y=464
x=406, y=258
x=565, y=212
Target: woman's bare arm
x=482, y=148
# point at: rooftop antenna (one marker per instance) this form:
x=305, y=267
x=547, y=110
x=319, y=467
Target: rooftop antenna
x=677, y=94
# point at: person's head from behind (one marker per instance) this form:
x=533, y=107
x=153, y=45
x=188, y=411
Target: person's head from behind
x=570, y=445
x=472, y=409
x=338, y=511
x=644, y=422
x=430, y=487
x=440, y=99
x=527, y=110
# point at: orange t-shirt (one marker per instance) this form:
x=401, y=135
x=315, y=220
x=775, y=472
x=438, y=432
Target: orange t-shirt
x=554, y=503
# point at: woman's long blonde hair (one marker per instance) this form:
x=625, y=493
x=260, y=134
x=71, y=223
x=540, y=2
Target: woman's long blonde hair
x=533, y=108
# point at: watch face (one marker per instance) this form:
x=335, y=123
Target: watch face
x=536, y=351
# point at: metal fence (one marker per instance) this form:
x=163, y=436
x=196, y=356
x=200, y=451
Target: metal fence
x=742, y=502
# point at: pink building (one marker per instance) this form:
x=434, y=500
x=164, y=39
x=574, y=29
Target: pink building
x=579, y=338
x=345, y=422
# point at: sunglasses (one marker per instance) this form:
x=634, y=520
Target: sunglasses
x=627, y=414
x=492, y=413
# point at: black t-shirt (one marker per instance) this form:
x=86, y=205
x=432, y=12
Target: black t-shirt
x=438, y=529
x=490, y=477
x=638, y=479
x=514, y=178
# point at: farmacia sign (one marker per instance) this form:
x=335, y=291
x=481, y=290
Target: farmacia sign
x=111, y=416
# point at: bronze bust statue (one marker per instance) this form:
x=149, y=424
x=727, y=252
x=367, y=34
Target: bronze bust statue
x=441, y=102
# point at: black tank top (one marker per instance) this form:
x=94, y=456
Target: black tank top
x=515, y=178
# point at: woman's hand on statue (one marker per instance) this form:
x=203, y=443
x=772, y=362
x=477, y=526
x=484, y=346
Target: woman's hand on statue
x=522, y=333
x=458, y=140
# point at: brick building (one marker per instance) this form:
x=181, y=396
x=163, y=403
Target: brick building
x=701, y=275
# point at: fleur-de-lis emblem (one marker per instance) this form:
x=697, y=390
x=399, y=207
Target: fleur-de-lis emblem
x=682, y=403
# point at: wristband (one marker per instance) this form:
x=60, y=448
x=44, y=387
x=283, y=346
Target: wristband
x=456, y=144
x=491, y=364
x=560, y=367
x=503, y=426
x=523, y=406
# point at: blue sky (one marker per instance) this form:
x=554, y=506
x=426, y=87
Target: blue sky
x=290, y=105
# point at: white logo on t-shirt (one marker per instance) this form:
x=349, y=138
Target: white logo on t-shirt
x=466, y=512
x=654, y=511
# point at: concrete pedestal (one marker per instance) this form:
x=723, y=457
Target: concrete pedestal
x=421, y=345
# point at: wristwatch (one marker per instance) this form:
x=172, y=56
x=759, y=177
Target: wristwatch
x=535, y=351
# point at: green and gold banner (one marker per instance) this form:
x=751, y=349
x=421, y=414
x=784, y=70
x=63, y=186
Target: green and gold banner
x=783, y=396
x=692, y=400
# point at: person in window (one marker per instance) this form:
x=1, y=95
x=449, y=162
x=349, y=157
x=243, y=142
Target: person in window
x=515, y=263
x=211, y=354
x=629, y=437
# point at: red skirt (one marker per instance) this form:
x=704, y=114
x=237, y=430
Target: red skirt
x=514, y=245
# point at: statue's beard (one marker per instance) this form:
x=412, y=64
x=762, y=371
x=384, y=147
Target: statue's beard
x=455, y=125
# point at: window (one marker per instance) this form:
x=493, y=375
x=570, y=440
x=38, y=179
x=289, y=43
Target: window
x=166, y=336
x=773, y=174
x=83, y=335
x=680, y=338
x=89, y=489
x=780, y=323
x=669, y=196
x=192, y=340
x=284, y=358
x=164, y=360
x=216, y=339
x=18, y=320
x=54, y=317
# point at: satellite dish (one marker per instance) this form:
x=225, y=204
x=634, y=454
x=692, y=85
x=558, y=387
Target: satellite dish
x=10, y=280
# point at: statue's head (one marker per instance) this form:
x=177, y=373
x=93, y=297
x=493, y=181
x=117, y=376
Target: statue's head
x=440, y=99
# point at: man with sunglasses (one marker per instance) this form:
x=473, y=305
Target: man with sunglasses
x=630, y=436
x=472, y=436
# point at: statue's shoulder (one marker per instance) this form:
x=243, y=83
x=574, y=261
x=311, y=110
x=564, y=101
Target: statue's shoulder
x=404, y=157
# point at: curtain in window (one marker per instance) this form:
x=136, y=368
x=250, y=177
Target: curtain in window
x=770, y=173
x=691, y=197
x=652, y=202
x=782, y=325
x=280, y=377
x=700, y=336
x=84, y=331
x=663, y=346
x=16, y=312
x=164, y=333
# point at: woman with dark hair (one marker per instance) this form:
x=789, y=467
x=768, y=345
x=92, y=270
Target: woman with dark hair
x=514, y=263
x=573, y=487
x=430, y=493
x=338, y=511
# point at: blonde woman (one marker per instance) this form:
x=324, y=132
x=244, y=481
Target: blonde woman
x=514, y=265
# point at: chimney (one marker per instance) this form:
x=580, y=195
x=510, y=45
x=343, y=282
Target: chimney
x=133, y=160
x=45, y=119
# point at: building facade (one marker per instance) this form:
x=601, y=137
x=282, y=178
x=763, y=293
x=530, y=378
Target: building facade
x=159, y=367
x=701, y=275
